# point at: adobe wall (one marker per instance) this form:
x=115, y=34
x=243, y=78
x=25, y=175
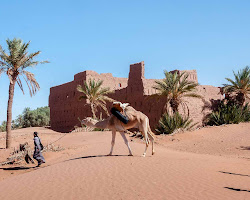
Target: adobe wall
x=66, y=108
x=192, y=74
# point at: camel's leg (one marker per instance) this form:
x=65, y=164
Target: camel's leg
x=145, y=133
x=151, y=137
x=126, y=142
x=112, y=142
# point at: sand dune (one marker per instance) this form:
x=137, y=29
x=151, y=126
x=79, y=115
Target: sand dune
x=210, y=169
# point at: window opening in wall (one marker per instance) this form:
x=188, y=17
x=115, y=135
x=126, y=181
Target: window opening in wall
x=120, y=85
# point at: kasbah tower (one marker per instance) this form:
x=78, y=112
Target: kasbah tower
x=66, y=109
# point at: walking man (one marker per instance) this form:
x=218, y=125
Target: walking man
x=38, y=150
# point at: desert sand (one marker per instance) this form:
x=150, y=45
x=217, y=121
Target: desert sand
x=209, y=163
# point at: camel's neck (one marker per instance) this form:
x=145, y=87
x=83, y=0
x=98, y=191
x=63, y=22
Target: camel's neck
x=100, y=124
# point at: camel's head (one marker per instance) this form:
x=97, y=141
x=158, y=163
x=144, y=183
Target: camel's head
x=88, y=121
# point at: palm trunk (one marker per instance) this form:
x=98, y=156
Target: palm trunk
x=92, y=110
x=174, y=105
x=240, y=98
x=9, y=114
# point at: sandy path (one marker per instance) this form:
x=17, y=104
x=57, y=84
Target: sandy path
x=167, y=175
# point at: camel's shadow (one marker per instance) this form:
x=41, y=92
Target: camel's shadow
x=96, y=156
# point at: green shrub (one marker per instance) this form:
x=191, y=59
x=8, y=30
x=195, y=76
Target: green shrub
x=170, y=123
x=3, y=126
x=229, y=114
x=33, y=118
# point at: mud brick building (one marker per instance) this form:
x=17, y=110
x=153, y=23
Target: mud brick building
x=65, y=108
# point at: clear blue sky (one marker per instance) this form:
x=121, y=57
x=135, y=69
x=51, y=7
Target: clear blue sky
x=211, y=36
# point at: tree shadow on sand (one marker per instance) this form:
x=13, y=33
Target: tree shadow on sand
x=16, y=168
x=234, y=173
x=236, y=189
x=244, y=148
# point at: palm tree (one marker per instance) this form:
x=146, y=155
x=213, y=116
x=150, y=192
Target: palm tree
x=14, y=65
x=174, y=87
x=95, y=94
x=240, y=87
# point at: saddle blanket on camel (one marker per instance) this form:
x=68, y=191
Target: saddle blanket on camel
x=117, y=110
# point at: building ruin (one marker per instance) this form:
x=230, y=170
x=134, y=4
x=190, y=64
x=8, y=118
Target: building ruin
x=66, y=109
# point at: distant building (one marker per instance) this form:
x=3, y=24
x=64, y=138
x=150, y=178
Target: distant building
x=65, y=108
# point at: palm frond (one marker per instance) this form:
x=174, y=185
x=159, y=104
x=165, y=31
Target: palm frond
x=4, y=56
x=240, y=86
x=168, y=124
x=82, y=97
x=19, y=82
x=80, y=89
x=194, y=95
x=2, y=63
x=173, y=87
x=232, y=82
x=31, y=82
x=96, y=94
x=17, y=60
x=106, y=98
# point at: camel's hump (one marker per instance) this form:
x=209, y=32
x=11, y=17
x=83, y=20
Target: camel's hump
x=132, y=113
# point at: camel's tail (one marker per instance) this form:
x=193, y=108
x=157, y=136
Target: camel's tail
x=150, y=132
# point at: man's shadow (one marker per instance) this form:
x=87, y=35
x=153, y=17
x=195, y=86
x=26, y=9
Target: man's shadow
x=16, y=168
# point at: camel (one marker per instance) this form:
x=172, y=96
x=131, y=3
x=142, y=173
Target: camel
x=136, y=120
